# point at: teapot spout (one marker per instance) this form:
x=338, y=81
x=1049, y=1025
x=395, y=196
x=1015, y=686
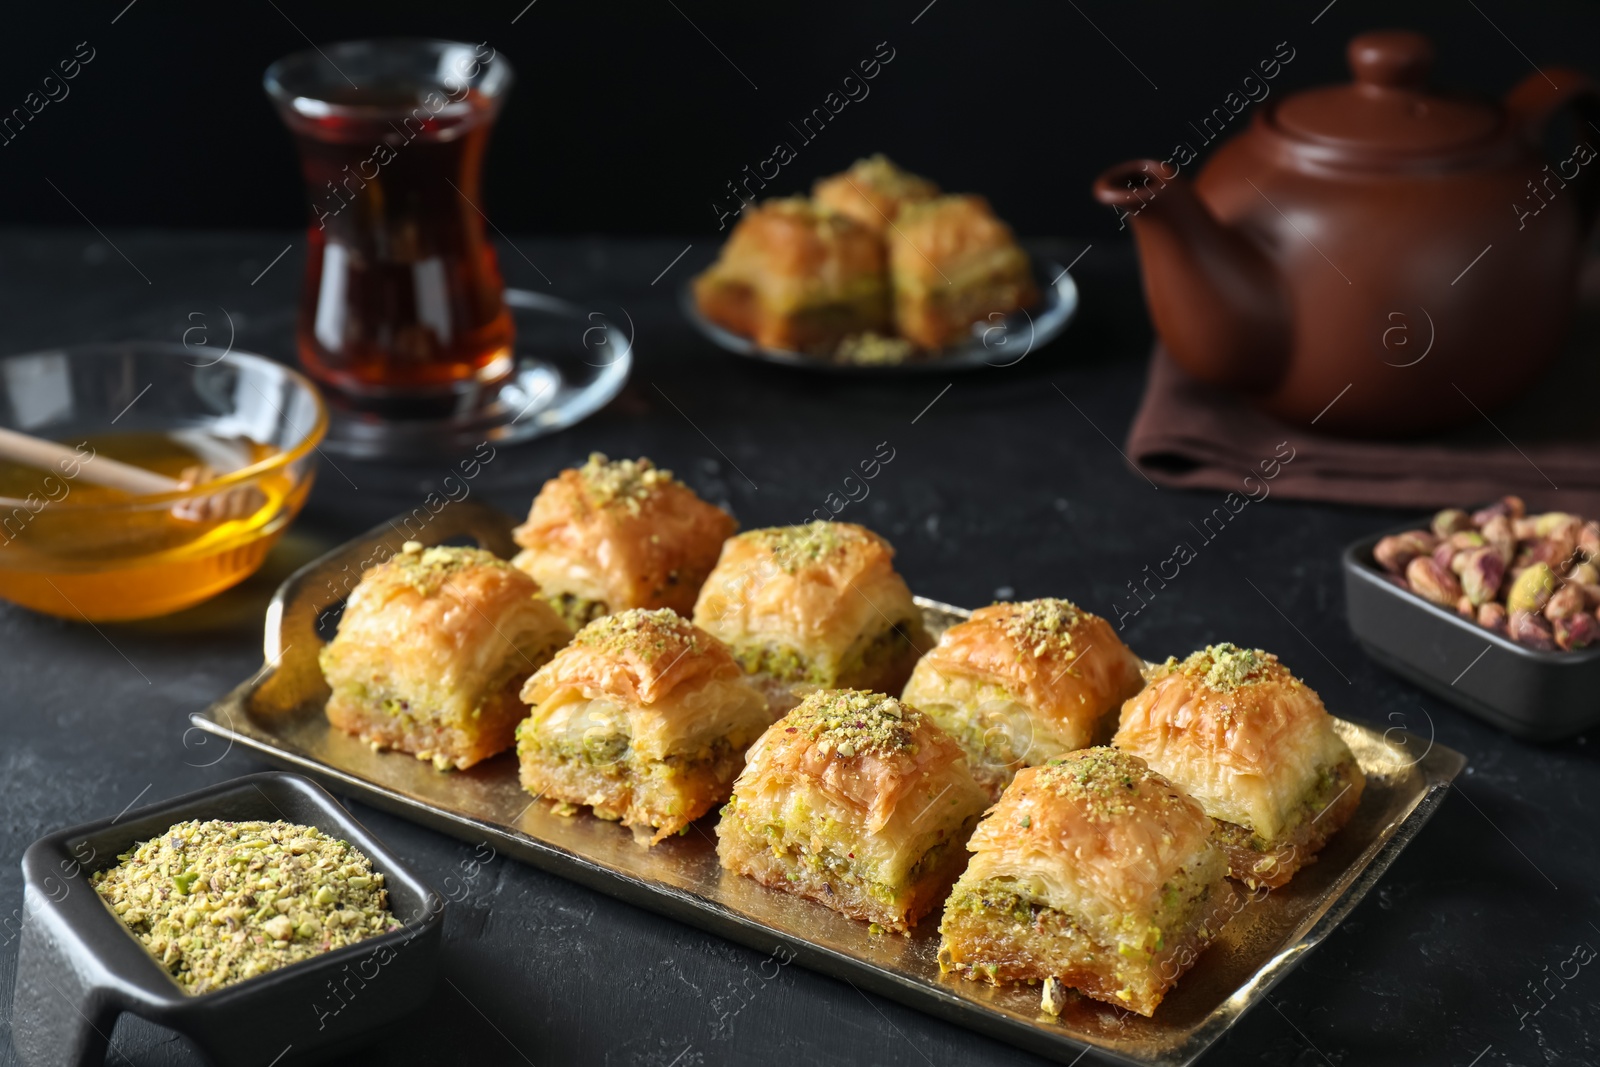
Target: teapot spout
x=1215, y=299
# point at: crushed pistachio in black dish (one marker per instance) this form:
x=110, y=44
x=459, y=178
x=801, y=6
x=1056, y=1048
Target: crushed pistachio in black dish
x=218, y=902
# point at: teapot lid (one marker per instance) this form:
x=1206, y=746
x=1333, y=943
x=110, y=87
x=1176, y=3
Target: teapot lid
x=1387, y=111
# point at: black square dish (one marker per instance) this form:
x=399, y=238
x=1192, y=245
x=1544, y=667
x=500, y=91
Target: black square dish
x=79, y=966
x=1541, y=696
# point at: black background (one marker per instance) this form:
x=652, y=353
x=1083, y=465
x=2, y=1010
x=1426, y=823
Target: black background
x=626, y=120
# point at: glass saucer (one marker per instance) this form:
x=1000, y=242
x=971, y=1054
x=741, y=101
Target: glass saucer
x=998, y=341
x=570, y=361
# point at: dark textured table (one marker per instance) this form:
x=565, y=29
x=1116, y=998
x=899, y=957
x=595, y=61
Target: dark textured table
x=1004, y=483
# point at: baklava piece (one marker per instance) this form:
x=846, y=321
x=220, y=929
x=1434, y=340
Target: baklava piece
x=644, y=718
x=431, y=651
x=797, y=277
x=873, y=191
x=1254, y=745
x=1019, y=684
x=856, y=801
x=813, y=607
x=617, y=534
x=1092, y=872
x=952, y=263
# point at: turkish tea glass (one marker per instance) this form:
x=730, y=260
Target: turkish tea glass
x=402, y=299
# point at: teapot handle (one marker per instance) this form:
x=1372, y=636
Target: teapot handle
x=1535, y=101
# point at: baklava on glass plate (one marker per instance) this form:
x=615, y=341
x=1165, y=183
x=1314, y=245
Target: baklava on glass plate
x=997, y=340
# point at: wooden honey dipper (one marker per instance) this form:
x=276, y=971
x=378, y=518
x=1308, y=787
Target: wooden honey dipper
x=236, y=503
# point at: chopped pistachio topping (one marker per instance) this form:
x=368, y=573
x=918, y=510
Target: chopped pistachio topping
x=881, y=173
x=1103, y=780
x=855, y=722
x=1041, y=626
x=647, y=634
x=874, y=349
x=805, y=210
x=428, y=569
x=218, y=902
x=795, y=546
x=624, y=482
x=1224, y=667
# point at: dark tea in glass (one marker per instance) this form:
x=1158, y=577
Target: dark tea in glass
x=403, y=296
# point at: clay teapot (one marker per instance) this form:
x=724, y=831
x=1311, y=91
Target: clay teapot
x=1377, y=258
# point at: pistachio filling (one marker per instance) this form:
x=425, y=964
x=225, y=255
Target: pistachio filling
x=576, y=611
x=785, y=664
x=781, y=663
x=1137, y=939
x=218, y=902
x=1331, y=783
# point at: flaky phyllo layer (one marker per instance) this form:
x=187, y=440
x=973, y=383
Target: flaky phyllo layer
x=605, y=732
x=431, y=649
x=822, y=831
x=877, y=649
x=614, y=534
x=995, y=727
x=1021, y=683
x=644, y=717
x=813, y=606
x=852, y=794
x=1093, y=870
x=1118, y=857
x=1245, y=737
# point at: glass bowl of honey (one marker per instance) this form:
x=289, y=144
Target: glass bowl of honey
x=227, y=451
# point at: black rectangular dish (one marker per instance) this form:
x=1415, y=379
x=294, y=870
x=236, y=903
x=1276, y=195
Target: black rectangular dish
x=1541, y=696
x=79, y=966
x=278, y=715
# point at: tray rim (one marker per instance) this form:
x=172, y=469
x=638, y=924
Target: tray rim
x=1439, y=766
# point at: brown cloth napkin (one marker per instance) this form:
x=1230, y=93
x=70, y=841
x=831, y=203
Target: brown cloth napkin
x=1196, y=436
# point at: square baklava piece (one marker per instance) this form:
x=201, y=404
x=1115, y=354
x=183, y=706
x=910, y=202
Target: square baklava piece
x=811, y=607
x=617, y=534
x=856, y=801
x=952, y=263
x=1019, y=684
x=873, y=192
x=797, y=277
x=1254, y=745
x=431, y=651
x=644, y=718
x=1092, y=872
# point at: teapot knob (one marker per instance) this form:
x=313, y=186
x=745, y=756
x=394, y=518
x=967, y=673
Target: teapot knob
x=1391, y=59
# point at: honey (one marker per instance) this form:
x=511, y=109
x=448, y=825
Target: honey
x=83, y=551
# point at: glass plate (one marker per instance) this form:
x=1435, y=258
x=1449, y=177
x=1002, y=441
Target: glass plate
x=278, y=714
x=569, y=363
x=1000, y=341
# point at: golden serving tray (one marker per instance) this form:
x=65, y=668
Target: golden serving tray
x=278, y=714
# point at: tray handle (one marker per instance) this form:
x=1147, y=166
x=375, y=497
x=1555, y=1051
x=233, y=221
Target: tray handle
x=292, y=642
